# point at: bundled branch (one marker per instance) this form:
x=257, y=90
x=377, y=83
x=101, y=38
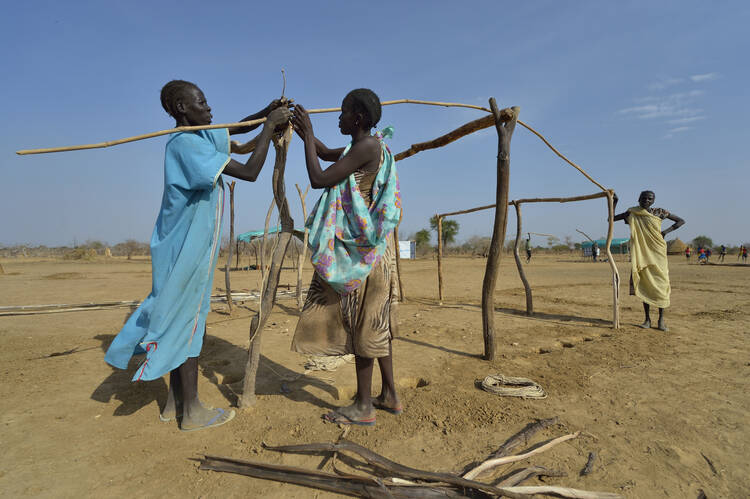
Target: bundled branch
x=271, y=281
x=389, y=479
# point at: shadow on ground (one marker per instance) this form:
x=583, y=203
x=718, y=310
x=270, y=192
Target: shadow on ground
x=223, y=364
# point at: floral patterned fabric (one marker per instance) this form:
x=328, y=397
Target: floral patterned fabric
x=348, y=237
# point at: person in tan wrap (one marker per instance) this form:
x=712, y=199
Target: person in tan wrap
x=649, y=278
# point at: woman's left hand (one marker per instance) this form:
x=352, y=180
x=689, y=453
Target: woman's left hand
x=301, y=122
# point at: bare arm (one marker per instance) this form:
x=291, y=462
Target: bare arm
x=362, y=154
x=251, y=169
x=619, y=216
x=327, y=154
x=678, y=222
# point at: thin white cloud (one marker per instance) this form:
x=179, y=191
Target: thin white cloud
x=676, y=106
x=665, y=83
x=704, y=77
x=680, y=129
x=683, y=121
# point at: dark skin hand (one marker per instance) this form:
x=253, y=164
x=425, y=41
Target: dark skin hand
x=364, y=153
x=645, y=201
x=195, y=111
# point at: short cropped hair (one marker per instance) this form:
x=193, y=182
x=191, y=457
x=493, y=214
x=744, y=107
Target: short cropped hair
x=172, y=92
x=365, y=101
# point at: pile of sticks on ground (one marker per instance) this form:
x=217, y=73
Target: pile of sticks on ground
x=388, y=479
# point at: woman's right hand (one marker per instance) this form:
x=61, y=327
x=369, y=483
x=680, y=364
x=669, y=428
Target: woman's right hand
x=279, y=117
x=301, y=122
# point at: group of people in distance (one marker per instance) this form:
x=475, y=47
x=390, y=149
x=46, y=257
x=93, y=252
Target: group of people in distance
x=704, y=254
x=351, y=305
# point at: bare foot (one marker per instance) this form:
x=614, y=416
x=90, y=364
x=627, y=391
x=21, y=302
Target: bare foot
x=388, y=403
x=199, y=417
x=171, y=409
x=662, y=326
x=353, y=414
x=646, y=324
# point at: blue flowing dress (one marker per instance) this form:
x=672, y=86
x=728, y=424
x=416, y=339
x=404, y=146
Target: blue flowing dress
x=169, y=324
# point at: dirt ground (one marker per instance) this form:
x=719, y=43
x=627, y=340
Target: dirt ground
x=667, y=413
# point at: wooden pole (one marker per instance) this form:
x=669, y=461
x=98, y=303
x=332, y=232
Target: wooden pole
x=263, y=241
x=505, y=132
x=228, y=268
x=398, y=262
x=612, y=264
x=301, y=261
x=268, y=296
x=521, y=273
x=250, y=145
x=440, y=257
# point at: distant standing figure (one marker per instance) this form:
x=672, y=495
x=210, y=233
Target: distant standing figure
x=649, y=279
x=722, y=253
x=595, y=251
x=687, y=254
x=708, y=254
x=744, y=254
x=739, y=254
x=528, y=248
x=702, y=256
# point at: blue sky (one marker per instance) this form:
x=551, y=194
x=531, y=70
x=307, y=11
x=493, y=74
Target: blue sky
x=643, y=95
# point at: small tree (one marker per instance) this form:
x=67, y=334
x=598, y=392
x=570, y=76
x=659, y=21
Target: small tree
x=450, y=229
x=422, y=238
x=702, y=242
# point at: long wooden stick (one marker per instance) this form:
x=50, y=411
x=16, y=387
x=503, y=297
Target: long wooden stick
x=612, y=264
x=268, y=296
x=519, y=265
x=301, y=256
x=492, y=463
x=596, y=195
x=240, y=124
x=228, y=268
x=440, y=257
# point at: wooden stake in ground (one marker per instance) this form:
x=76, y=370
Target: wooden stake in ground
x=505, y=122
x=440, y=257
x=301, y=261
x=268, y=297
x=228, y=269
x=401, y=297
x=612, y=264
x=521, y=273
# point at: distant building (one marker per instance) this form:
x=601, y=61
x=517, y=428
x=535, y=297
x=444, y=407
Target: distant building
x=618, y=246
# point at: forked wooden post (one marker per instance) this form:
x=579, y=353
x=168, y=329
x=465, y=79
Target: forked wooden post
x=505, y=123
x=268, y=293
x=521, y=273
x=440, y=257
x=612, y=264
x=228, y=269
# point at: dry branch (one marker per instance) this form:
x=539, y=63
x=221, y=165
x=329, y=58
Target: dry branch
x=227, y=125
x=440, y=257
x=612, y=265
x=589, y=464
x=301, y=256
x=386, y=464
x=523, y=437
x=228, y=268
x=526, y=473
x=517, y=258
x=561, y=155
x=268, y=297
x=492, y=463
